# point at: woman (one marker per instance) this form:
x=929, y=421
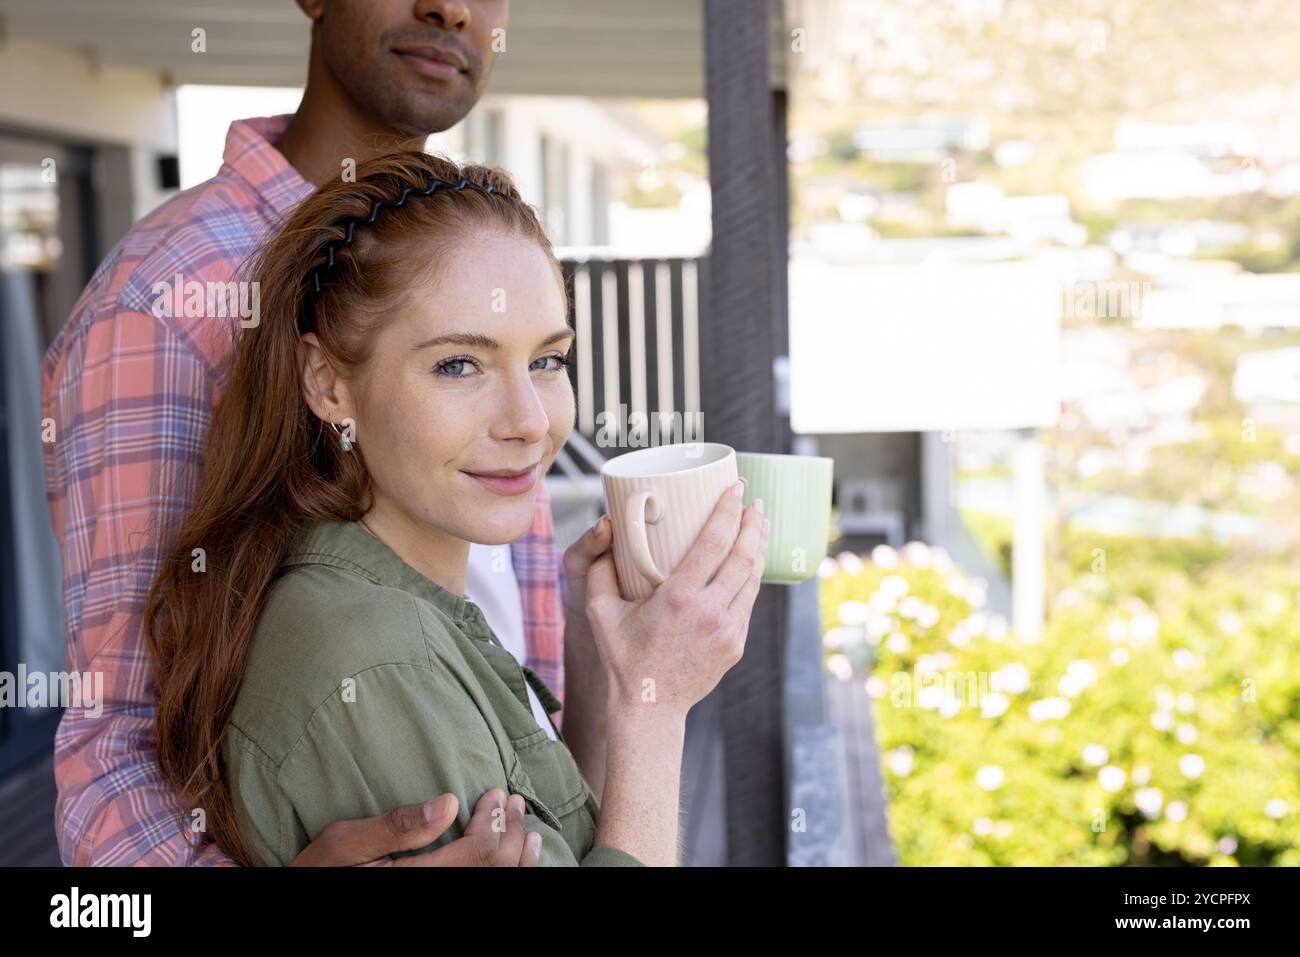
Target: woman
x=401, y=397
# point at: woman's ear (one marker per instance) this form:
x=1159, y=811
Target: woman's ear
x=325, y=391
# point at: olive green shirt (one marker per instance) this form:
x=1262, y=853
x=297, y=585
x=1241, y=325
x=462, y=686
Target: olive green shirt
x=367, y=686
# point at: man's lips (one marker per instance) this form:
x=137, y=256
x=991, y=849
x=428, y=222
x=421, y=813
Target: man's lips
x=505, y=482
x=431, y=61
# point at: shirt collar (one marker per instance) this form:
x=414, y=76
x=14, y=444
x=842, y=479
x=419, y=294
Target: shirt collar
x=348, y=545
x=250, y=155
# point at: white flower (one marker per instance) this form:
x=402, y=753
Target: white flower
x=1164, y=699
x=900, y=761
x=898, y=643
x=959, y=637
x=1229, y=623
x=1186, y=733
x=1176, y=811
x=1227, y=844
x=950, y=707
x=1117, y=630
x=1069, y=686
x=853, y=612
x=1002, y=829
x=1111, y=778
x=850, y=563
x=1184, y=658
x=876, y=687
x=884, y=556
x=880, y=625
x=983, y=826
x=997, y=628
x=882, y=602
x=1275, y=808
x=894, y=585
x=918, y=553
x=1012, y=678
x=1186, y=703
x=928, y=617
x=1149, y=801
x=994, y=704
x=1162, y=720
x=1119, y=657
x=1191, y=765
x=910, y=607
x=1144, y=628
x=1079, y=674
x=989, y=777
x=1083, y=671
x=930, y=697
x=958, y=587
x=1141, y=775
x=828, y=568
x=1095, y=754
x=840, y=667
x=1048, y=708
x=941, y=560
x=1068, y=598
x=978, y=593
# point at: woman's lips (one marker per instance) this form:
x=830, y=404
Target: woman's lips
x=429, y=67
x=515, y=483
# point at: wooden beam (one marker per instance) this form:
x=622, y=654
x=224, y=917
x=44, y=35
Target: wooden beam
x=738, y=344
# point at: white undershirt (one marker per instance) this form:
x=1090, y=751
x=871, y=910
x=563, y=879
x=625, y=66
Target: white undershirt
x=490, y=583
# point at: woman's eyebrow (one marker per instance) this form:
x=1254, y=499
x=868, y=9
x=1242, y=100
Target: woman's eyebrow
x=479, y=341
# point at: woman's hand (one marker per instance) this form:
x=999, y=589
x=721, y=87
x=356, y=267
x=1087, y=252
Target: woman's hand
x=578, y=559
x=673, y=648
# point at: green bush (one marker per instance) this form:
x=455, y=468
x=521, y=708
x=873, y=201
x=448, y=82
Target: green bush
x=1176, y=734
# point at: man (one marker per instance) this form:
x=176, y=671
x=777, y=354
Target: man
x=132, y=394
x=131, y=390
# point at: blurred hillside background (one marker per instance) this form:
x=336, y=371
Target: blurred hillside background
x=1140, y=161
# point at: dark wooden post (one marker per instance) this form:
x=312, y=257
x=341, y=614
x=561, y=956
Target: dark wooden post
x=739, y=337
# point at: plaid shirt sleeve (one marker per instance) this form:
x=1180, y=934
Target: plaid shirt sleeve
x=131, y=403
x=541, y=582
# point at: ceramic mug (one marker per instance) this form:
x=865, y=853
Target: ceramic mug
x=658, y=500
x=796, y=494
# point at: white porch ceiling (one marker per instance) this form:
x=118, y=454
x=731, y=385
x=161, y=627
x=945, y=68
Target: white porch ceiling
x=612, y=48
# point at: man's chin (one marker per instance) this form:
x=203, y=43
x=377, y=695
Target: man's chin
x=424, y=115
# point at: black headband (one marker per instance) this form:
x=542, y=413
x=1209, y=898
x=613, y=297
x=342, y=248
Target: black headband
x=354, y=221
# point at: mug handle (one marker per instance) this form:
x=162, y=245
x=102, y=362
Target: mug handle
x=642, y=509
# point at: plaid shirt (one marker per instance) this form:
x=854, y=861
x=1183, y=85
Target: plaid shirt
x=131, y=397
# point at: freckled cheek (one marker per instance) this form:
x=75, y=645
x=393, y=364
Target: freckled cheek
x=560, y=410
x=444, y=428
x=421, y=429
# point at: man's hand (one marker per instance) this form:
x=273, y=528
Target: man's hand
x=368, y=841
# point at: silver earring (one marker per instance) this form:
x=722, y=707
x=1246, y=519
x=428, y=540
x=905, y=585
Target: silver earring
x=347, y=444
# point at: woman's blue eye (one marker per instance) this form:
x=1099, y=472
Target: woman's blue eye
x=453, y=368
x=559, y=360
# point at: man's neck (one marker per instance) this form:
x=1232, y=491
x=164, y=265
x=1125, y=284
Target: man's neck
x=324, y=133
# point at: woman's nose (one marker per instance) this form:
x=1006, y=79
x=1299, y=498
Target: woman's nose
x=520, y=413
